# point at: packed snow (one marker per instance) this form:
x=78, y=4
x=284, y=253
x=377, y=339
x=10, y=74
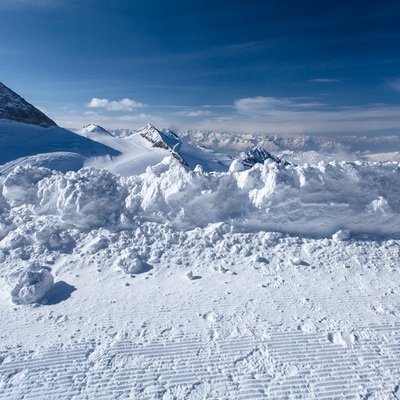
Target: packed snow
x=273, y=282
x=129, y=270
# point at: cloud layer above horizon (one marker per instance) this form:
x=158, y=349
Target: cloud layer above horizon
x=252, y=114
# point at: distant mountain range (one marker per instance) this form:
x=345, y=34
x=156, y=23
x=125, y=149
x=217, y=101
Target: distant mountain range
x=233, y=144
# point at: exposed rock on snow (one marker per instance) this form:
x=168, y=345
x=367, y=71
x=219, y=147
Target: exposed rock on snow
x=32, y=286
x=258, y=155
x=15, y=108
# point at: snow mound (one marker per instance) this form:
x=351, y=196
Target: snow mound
x=311, y=200
x=32, y=286
x=85, y=199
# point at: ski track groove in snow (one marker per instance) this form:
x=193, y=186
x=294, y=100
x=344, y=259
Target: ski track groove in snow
x=319, y=370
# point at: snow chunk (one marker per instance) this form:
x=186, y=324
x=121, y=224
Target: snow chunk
x=32, y=286
x=341, y=235
x=132, y=263
x=189, y=275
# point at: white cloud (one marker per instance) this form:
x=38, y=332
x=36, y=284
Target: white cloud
x=120, y=105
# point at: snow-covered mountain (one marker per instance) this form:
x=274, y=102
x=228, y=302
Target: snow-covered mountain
x=186, y=153
x=14, y=107
x=164, y=140
x=90, y=129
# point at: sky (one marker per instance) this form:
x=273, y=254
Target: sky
x=276, y=67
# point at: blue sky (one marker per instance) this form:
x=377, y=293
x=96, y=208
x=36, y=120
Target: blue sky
x=268, y=66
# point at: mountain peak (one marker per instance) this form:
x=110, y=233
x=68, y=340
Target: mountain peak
x=15, y=108
x=163, y=140
x=95, y=129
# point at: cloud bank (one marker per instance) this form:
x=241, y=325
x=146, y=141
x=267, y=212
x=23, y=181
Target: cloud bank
x=120, y=105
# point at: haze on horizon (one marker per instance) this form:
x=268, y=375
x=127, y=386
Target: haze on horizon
x=273, y=67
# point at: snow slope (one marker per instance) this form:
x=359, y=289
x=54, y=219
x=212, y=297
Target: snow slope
x=179, y=284
x=53, y=147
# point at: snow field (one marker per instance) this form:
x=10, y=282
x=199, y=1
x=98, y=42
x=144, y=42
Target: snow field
x=327, y=327
x=179, y=284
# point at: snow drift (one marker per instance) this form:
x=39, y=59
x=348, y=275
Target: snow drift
x=310, y=200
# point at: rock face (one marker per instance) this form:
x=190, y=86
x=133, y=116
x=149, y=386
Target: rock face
x=15, y=108
x=257, y=156
x=165, y=140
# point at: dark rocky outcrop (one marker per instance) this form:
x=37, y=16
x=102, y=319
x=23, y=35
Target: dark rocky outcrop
x=15, y=108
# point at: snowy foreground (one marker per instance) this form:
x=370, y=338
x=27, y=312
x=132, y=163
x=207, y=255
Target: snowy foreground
x=276, y=282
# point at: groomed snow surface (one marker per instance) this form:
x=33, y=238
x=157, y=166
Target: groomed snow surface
x=276, y=282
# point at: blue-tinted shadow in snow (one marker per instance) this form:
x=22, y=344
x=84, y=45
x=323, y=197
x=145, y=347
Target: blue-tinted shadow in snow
x=61, y=291
x=144, y=268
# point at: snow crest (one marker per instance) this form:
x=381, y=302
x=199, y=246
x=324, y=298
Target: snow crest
x=310, y=200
